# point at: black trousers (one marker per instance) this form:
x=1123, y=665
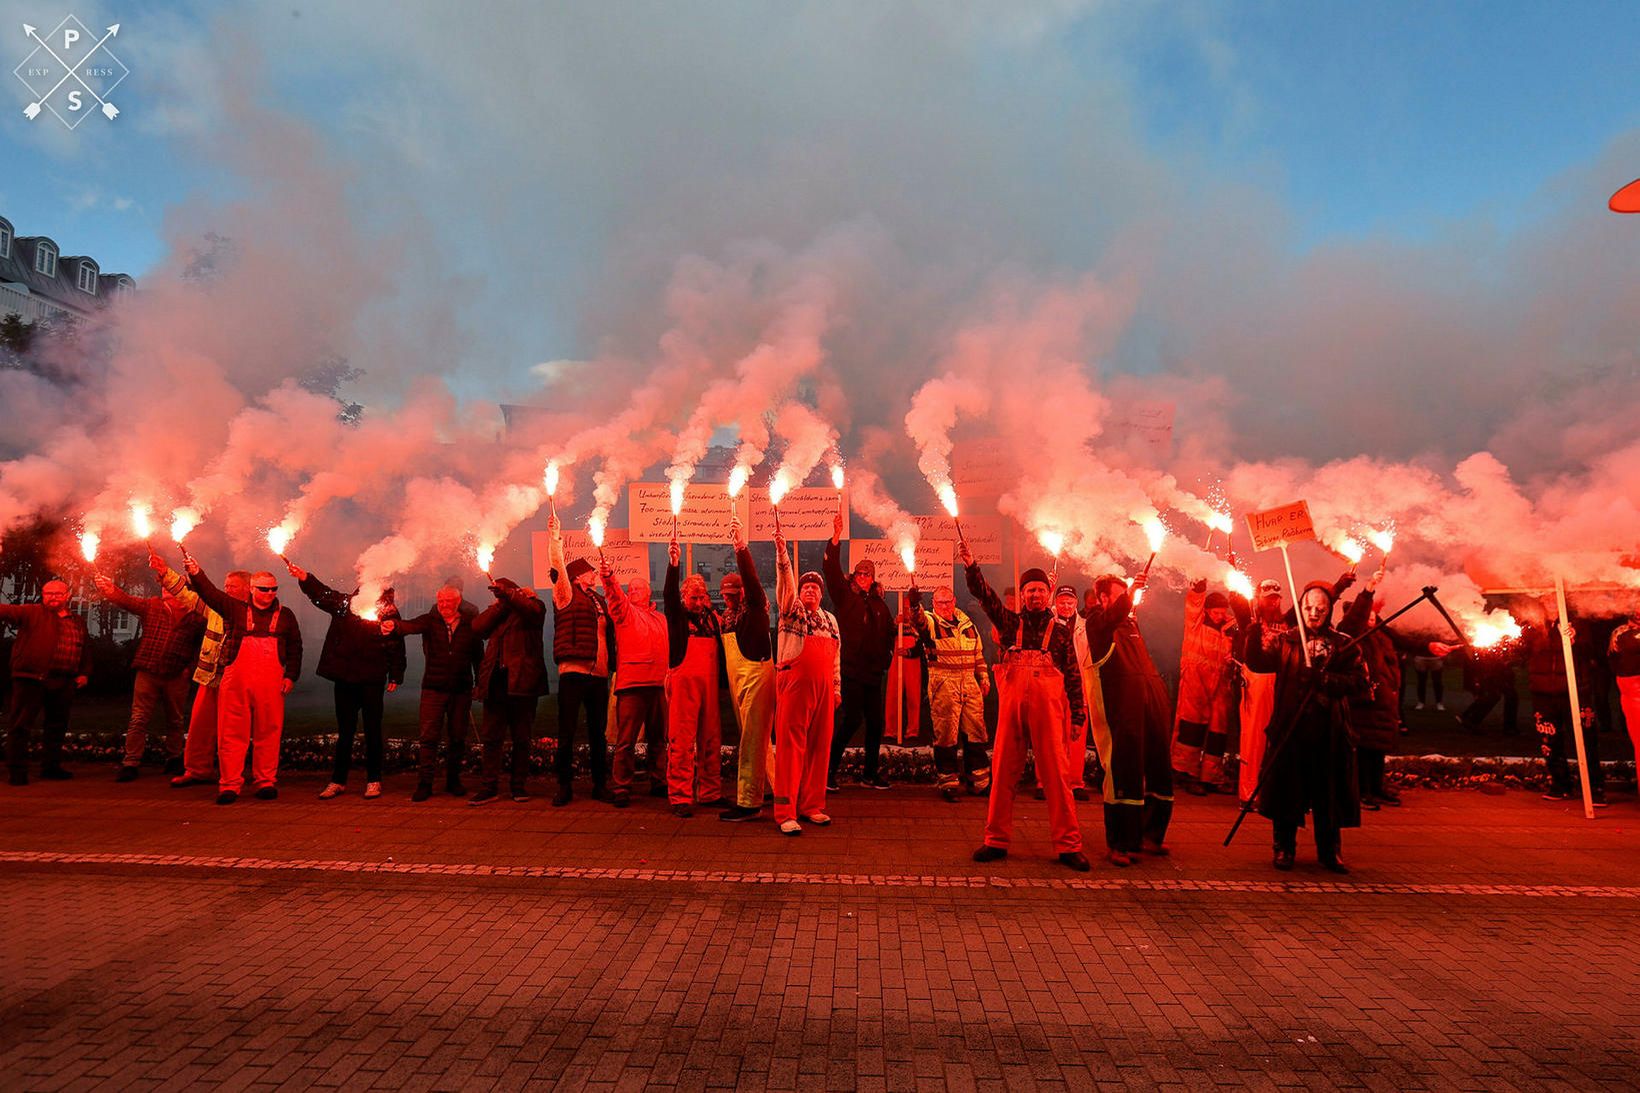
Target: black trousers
x=353, y=701
x=578, y=690
x=1553, y=715
x=444, y=714
x=862, y=700
x=507, y=718
x=1328, y=840
x=48, y=701
x=1370, y=767
x=1485, y=700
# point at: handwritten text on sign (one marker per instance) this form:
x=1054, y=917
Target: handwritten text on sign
x=935, y=568
x=984, y=534
x=626, y=558
x=806, y=514
x=1283, y=524
x=707, y=512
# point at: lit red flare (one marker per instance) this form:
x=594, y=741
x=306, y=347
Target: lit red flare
x=739, y=475
x=1155, y=532
x=908, y=556
x=837, y=475
x=1052, y=541
x=1350, y=549
x=279, y=538
x=948, y=498
x=484, y=555
x=595, y=528
x=779, y=486
x=89, y=542
x=1488, y=632
x=550, y=478
x=1238, y=582
x=1384, y=540
x=183, y=521
x=1220, y=521
x=678, y=485
x=140, y=522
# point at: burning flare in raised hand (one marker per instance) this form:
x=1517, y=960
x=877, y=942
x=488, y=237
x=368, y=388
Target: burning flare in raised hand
x=738, y=477
x=279, y=538
x=1238, y=582
x=908, y=555
x=484, y=555
x=779, y=486
x=1052, y=541
x=1155, y=532
x=948, y=497
x=550, y=478
x=183, y=521
x=1384, y=540
x=89, y=542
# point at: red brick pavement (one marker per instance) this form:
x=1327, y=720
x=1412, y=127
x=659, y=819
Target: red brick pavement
x=152, y=938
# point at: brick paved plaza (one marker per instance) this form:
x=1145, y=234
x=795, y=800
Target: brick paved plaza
x=1483, y=942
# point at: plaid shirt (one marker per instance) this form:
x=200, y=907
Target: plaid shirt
x=170, y=634
x=65, y=659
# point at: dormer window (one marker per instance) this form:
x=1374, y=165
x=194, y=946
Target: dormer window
x=45, y=259
x=123, y=287
x=88, y=278
x=5, y=239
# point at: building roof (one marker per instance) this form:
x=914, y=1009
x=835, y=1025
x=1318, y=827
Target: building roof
x=61, y=291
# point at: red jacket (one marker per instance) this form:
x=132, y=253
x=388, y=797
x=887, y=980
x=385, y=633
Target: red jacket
x=37, y=631
x=641, y=640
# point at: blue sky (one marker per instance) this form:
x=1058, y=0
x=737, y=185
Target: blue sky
x=1358, y=121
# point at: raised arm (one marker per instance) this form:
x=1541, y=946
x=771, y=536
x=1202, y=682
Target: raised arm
x=216, y=599
x=614, y=595
x=672, y=594
x=321, y=595
x=831, y=566
x=785, y=582
x=1003, y=619
x=757, y=600
x=561, y=590
x=120, y=598
x=177, y=585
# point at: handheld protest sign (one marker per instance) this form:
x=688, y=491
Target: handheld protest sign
x=627, y=558
x=805, y=515
x=1278, y=527
x=704, y=517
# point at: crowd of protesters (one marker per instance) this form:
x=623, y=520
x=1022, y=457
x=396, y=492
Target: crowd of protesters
x=1299, y=703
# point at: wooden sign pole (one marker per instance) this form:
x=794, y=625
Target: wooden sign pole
x=1298, y=607
x=1571, y=693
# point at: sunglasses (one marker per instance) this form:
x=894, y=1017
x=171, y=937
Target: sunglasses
x=265, y=587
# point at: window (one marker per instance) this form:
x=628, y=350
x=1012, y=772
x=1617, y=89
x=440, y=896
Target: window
x=123, y=287
x=45, y=259
x=88, y=278
x=5, y=240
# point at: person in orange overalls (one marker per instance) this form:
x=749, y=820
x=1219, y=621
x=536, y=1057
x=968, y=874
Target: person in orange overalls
x=694, y=732
x=1201, y=724
x=262, y=659
x=1038, y=685
x=808, y=687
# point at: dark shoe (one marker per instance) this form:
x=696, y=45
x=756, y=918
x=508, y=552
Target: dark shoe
x=55, y=773
x=1557, y=795
x=174, y=766
x=1598, y=799
x=1388, y=797
x=563, y=797
x=832, y=786
x=1119, y=859
x=949, y=793
x=1333, y=865
x=268, y=793
x=184, y=780
x=1081, y=793
x=738, y=814
x=1283, y=861
x=424, y=790
x=621, y=798
x=1076, y=860
x=1154, y=848
x=657, y=789
x=878, y=782
x=1039, y=794
x=1194, y=787
x=455, y=788
x=127, y=773
x=716, y=802
x=483, y=797
x=226, y=797
x=599, y=792
x=1368, y=804
x=990, y=853
x=19, y=776
x=519, y=794
x=683, y=812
